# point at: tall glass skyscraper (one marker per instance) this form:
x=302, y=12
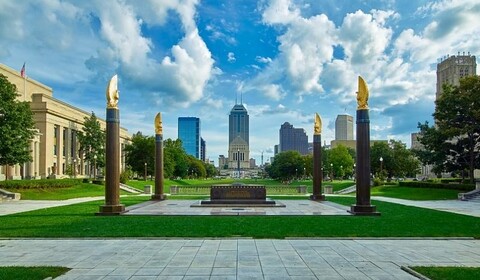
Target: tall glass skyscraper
x=238, y=138
x=189, y=133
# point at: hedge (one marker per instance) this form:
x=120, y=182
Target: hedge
x=39, y=184
x=431, y=185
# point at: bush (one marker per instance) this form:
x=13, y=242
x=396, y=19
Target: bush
x=39, y=184
x=125, y=176
x=377, y=182
x=98, y=182
x=462, y=187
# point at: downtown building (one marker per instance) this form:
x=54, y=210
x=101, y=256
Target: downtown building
x=189, y=133
x=451, y=69
x=55, y=146
x=292, y=139
x=238, y=138
x=344, y=127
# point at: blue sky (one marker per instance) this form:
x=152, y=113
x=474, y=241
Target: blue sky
x=287, y=58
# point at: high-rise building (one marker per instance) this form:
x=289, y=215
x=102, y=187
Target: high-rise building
x=189, y=133
x=344, y=127
x=451, y=69
x=238, y=138
x=203, y=150
x=293, y=139
x=222, y=162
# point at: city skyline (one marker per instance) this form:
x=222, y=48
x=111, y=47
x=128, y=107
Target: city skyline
x=288, y=59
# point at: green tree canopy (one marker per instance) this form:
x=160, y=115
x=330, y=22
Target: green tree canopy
x=286, y=166
x=342, y=161
x=16, y=126
x=175, y=159
x=453, y=144
x=397, y=160
x=141, y=151
x=92, y=140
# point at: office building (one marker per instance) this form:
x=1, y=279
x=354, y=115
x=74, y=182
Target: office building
x=238, y=138
x=189, y=133
x=451, y=69
x=55, y=146
x=293, y=139
x=203, y=150
x=344, y=127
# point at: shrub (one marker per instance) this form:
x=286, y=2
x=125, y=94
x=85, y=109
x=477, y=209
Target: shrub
x=39, y=184
x=462, y=187
x=125, y=176
x=377, y=182
x=98, y=182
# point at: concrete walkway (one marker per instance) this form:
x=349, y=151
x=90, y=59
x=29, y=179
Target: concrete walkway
x=239, y=259
x=455, y=206
x=18, y=206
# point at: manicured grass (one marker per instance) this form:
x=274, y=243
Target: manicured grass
x=415, y=193
x=80, y=190
x=79, y=221
x=449, y=272
x=31, y=273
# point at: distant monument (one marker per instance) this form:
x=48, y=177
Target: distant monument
x=317, y=160
x=112, y=177
x=158, y=159
x=362, y=173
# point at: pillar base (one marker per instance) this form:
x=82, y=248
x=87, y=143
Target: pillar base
x=364, y=210
x=320, y=197
x=159, y=197
x=111, y=210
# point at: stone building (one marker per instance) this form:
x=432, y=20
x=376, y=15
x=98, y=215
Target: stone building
x=55, y=145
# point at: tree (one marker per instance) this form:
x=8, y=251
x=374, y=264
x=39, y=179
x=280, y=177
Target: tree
x=92, y=141
x=196, y=167
x=397, y=160
x=457, y=118
x=175, y=159
x=141, y=151
x=286, y=166
x=210, y=169
x=342, y=161
x=16, y=126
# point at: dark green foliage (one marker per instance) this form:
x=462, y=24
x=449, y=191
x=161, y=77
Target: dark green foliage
x=141, y=151
x=31, y=273
x=398, y=161
x=39, y=184
x=452, y=145
x=342, y=162
x=432, y=185
x=286, y=166
x=92, y=141
x=449, y=272
x=175, y=162
x=16, y=126
x=125, y=176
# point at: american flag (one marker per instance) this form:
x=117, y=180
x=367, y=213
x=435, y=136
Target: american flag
x=22, y=72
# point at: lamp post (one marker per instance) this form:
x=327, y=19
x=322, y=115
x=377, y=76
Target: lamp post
x=238, y=162
x=354, y=171
x=145, y=172
x=381, y=164
x=304, y=173
x=331, y=170
x=296, y=172
x=74, y=168
x=341, y=172
x=94, y=166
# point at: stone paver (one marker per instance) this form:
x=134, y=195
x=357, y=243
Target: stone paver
x=238, y=259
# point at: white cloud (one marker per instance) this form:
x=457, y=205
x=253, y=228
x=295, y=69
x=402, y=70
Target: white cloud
x=262, y=59
x=231, y=57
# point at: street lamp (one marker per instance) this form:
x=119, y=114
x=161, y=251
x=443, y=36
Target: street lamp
x=95, y=166
x=74, y=168
x=341, y=172
x=238, y=162
x=331, y=170
x=145, y=172
x=296, y=176
x=304, y=173
x=381, y=164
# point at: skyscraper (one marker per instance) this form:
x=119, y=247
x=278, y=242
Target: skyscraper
x=451, y=68
x=189, y=133
x=203, y=150
x=238, y=140
x=293, y=139
x=344, y=127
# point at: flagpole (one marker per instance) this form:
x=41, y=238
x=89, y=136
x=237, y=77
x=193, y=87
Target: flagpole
x=25, y=88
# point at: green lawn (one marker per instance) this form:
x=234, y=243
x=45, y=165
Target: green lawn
x=31, y=273
x=449, y=272
x=415, y=193
x=79, y=221
x=81, y=190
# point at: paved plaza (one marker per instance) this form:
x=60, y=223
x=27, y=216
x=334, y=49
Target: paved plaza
x=238, y=258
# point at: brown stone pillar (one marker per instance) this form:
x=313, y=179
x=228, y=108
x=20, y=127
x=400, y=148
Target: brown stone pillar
x=158, y=195
x=362, y=172
x=112, y=177
x=317, y=168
